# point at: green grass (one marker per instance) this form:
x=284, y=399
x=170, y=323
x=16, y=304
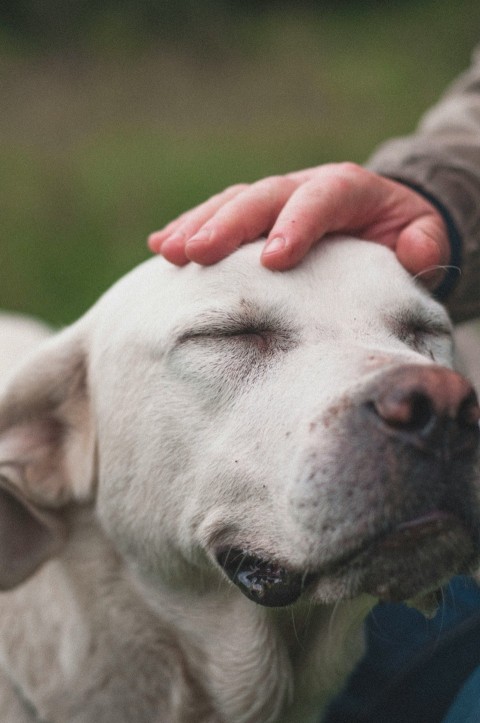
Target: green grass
x=100, y=146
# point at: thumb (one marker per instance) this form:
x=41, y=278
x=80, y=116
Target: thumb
x=423, y=249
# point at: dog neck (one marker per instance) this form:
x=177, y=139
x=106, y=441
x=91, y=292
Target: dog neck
x=127, y=652
x=260, y=663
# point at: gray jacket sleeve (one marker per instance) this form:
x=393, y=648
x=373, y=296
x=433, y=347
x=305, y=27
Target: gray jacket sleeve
x=442, y=160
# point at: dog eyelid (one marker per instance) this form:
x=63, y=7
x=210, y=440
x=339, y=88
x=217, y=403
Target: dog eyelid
x=222, y=332
x=264, y=339
x=406, y=326
x=225, y=325
x=421, y=330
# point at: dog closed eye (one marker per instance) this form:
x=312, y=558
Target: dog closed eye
x=255, y=330
x=248, y=336
x=221, y=352
x=424, y=333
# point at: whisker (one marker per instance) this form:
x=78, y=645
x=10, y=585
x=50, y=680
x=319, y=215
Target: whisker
x=295, y=631
x=221, y=579
x=436, y=267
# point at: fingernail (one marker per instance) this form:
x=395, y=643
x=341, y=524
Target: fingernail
x=277, y=243
x=203, y=236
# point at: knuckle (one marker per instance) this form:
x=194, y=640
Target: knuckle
x=235, y=189
x=338, y=177
x=349, y=168
x=346, y=177
x=270, y=182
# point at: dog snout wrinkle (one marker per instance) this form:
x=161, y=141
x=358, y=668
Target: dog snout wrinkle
x=432, y=408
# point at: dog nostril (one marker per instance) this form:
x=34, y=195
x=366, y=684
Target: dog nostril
x=412, y=412
x=433, y=408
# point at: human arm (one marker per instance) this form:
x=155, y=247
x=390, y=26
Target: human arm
x=442, y=160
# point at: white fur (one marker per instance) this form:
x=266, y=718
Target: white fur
x=149, y=444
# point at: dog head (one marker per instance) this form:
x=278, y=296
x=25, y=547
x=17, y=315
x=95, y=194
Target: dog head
x=299, y=433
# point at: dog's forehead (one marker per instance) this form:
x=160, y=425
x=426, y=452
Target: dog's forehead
x=341, y=281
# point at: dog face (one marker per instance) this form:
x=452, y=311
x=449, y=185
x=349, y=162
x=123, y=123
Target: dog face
x=301, y=434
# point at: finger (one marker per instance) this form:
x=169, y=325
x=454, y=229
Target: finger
x=334, y=199
x=423, y=249
x=307, y=174
x=243, y=219
x=173, y=249
x=156, y=238
x=189, y=222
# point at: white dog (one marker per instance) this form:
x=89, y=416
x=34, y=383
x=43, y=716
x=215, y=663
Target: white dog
x=206, y=432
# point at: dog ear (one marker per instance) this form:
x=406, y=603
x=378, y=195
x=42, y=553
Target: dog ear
x=47, y=453
x=28, y=536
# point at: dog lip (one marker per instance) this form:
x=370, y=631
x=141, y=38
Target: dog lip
x=261, y=579
x=427, y=523
x=273, y=584
x=435, y=521
x=397, y=537
x=387, y=565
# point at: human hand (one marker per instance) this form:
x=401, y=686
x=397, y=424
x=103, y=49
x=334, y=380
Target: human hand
x=298, y=209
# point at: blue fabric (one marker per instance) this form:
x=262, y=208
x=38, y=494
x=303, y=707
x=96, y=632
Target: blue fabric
x=466, y=707
x=413, y=668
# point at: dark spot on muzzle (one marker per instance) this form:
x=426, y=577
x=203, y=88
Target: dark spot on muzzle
x=263, y=581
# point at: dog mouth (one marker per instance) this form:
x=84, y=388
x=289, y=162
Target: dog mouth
x=415, y=556
x=262, y=580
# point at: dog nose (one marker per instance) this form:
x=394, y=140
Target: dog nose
x=430, y=407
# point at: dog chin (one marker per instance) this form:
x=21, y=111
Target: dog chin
x=406, y=564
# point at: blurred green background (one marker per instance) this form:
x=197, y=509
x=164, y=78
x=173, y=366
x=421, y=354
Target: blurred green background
x=116, y=116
